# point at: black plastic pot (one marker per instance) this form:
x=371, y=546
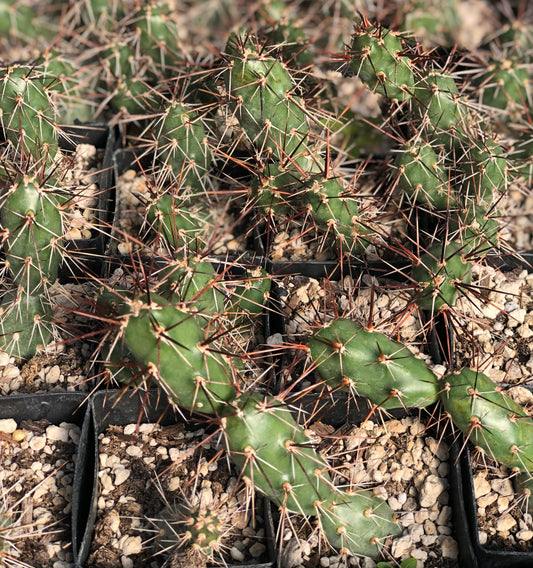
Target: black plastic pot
x=120, y=407
x=85, y=255
x=475, y=555
x=54, y=407
x=143, y=161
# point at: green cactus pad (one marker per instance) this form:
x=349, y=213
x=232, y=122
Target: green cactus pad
x=440, y=273
x=33, y=222
x=182, y=146
x=336, y=210
x=170, y=342
x=438, y=100
x=477, y=229
x=183, y=226
x=25, y=324
x=194, y=282
x=505, y=84
x=422, y=177
x=372, y=365
x=485, y=173
x=489, y=418
x=281, y=465
x=378, y=61
x=262, y=97
x=358, y=522
x=26, y=112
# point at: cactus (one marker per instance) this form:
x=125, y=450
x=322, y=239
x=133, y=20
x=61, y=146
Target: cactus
x=27, y=115
x=440, y=272
x=358, y=522
x=163, y=338
x=372, y=365
x=489, y=418
x=189, y=526
x=264, y=101
x=291, y=473
x=25, y=323
x=32, y=223
x=377, y=58
x=31, y=218
x=423, y=178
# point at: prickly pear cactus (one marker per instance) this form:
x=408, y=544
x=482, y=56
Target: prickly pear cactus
x=490, y=419
x=372, y=365
x=286, y=468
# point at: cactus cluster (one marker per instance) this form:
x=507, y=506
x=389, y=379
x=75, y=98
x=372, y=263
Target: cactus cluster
x=260, y=107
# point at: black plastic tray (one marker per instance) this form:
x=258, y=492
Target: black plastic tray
x=121, y=407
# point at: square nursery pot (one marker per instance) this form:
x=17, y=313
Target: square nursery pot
x=474, y=554
x=44, y=448
x=110, y=409
x=338, y=417
x=127, y=216
x=86, y=254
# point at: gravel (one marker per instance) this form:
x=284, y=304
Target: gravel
x=36, y=473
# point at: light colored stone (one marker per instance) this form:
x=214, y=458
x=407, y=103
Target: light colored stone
x=134, y=451
x=37, y=443
x=487, y=500
x=430, y=491
x=505, y=523
x=402, y=546
x=524, y=535
x=502, y=486
x=121, y=475
x=481, y=485
x=449, y=548
x=130, y=545
x=8, y=425
x=57, y=434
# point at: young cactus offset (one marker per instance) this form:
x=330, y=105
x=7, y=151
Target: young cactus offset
x=189, y=526
x=490, y=419
x=370, y=364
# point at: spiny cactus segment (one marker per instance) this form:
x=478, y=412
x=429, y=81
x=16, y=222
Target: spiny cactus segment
x=370, y=364
x=27, y=115
x=489, y=418
x=292, y=474
x=440, y=273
